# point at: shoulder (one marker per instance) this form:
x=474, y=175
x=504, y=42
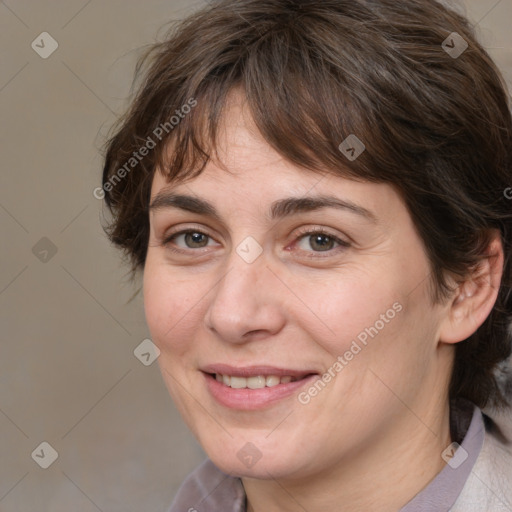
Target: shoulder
x=489, y=485
x=207, y=488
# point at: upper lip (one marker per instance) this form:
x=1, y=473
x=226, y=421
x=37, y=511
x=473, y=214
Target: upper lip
x=252, y=371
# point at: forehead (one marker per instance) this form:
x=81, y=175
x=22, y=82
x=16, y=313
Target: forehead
x=245, y=169
x=239, y=151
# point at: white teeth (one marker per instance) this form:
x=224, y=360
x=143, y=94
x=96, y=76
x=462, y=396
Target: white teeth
x=272, y=380
x=238, y=382
x=256, y=382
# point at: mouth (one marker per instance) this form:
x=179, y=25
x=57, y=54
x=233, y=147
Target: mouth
x=254, y=382
x=255, y=387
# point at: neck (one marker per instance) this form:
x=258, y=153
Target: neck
x=383, y=477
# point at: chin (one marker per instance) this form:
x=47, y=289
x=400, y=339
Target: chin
x=260, y=469
x=251, y=459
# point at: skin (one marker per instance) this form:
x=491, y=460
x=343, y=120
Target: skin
x=373, y=437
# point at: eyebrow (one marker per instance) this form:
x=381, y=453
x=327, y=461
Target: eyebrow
x=278, y=210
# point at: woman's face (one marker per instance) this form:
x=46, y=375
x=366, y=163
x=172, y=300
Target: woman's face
x=267, y=287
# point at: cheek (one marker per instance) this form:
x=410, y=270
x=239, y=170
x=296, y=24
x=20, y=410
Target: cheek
x=172, y=305
x=373, y=321
x=342, y=309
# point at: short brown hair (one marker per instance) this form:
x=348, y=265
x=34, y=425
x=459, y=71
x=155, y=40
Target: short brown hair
x=436, y=126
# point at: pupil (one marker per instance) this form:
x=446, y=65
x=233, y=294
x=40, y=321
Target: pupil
x=195, y=238
x=323, y=242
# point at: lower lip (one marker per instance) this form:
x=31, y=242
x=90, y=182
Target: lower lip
x=252, y=399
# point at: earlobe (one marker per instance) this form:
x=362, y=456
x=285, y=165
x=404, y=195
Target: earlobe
x=475, y=297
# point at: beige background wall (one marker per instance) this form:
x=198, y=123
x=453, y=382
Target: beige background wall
x=68, y=375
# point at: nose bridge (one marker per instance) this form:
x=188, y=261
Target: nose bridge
x=244, y=300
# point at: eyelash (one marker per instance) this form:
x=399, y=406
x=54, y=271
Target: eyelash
x=303, y=232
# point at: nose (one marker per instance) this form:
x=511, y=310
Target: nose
x=247, y=303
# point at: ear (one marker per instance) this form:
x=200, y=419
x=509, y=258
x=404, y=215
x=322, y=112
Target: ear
x=474, y=298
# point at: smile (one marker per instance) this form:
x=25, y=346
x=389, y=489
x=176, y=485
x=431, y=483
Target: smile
x=256, y=387
x=257, y=382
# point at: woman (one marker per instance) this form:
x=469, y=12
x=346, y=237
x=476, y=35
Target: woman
x=315, y=194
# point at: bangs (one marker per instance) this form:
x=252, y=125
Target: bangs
x=301, y=104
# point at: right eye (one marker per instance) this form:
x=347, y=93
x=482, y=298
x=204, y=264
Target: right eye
x=187, y=240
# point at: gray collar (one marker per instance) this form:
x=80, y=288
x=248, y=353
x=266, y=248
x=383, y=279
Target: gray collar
x=442, y=492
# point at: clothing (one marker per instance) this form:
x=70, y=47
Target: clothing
x=480, y=483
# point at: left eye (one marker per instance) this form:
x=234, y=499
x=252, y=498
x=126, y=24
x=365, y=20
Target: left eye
x=319, y=241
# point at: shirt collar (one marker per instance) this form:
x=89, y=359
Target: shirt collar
x=442, y=492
